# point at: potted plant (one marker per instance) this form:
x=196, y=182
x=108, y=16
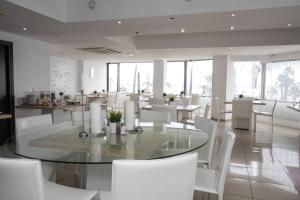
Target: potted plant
x=164, y=94
x=241, y=95
x=114, y=121
x=171, y=99
x=182, y=93
x=95, y=92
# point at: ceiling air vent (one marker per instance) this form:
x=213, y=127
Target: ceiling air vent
x=100, y=50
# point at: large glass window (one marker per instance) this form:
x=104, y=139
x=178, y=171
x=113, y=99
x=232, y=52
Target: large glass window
x=283, y=81
x=131, y=73
x=113, y=77
x=175, y=77
x=132, y=76
x=199, y=77
x=247, y=78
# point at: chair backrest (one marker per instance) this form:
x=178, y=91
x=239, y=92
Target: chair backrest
x=156, y=101
x=111, y=100
x=172, y=109
x=155, y=116
x=211, y=128
x=274, y=105
x=26, y=123
x=161, y=179
x=242, y=108
x=224, y=156
x=206, y=111
x=21, y=179
x=196, y=99
x=77, y=116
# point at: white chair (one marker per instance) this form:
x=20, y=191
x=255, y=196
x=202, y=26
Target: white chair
x=27, y=123
x=76, y=116
x=157, y=101
x=167, y=108
x=220, y=112
x=213, y=181
x=242, y=113
x=23, y=179
x=155, y=116
x=162, y=179
x=205, y=153
x=268, y=114
x=206, y=111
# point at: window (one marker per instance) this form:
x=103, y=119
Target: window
x=113, y=77
x=175, y=77
x=128, y=77
x=199, y=77
x=247, y=78
x=283, y=81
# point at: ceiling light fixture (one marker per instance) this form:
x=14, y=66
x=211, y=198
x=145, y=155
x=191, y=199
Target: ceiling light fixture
x=232, y=14
x=231, y=27
x=130, y=54
x=182, y=30
x=172, y=19
x=24, y=29
x=119, y=22
x=289, y=25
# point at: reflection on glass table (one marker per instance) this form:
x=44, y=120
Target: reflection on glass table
x=60, y=143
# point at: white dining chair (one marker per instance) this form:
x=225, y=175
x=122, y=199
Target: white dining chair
x=76, y=116
x=172, y=109
x=157, y=101
x=205, y=153
x=219, y=111
x=242, y=113
x=268, y=114
x=206, y=111
x=23, y=179
x=160, y=179
x=213, y=181
x=155, y=116
x=196, y=100
x=27, y=123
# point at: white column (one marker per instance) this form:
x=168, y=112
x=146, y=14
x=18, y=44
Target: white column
x=219, y=82
x=159, y=77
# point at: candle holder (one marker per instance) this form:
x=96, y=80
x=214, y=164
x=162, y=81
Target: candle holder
x=82, y=134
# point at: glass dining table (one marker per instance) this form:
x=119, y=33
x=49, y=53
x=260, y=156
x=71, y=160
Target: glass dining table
x=60, y=143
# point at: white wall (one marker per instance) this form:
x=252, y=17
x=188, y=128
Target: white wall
x=98, y=82
x=65, y=75
x=31, y=64
x=159, y=77
x=219, y=82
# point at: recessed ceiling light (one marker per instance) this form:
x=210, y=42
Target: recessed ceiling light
x=232, y=14
x=130, y=54
x=231, y=27
x=24, y=29
x=119, y=22
x=172, y=19
x=231, y=48
x=289, y=25
x=182, y=30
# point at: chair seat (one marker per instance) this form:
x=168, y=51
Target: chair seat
x=105, y=195
x=55, y=191
x=262, y=113
x=206, y=181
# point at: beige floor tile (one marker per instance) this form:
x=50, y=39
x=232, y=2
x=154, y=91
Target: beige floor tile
x=268, y=191
x=238, y=187
x=238, y=172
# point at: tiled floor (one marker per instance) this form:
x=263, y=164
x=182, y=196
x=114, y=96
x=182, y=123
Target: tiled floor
x=261, y=168
x=264, y=169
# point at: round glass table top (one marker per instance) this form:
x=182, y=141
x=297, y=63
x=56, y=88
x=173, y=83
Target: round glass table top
x=60, y=143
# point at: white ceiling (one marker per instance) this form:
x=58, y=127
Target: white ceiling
x=66, y=37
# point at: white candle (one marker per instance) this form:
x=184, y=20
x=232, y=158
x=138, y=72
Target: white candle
x=96, y=123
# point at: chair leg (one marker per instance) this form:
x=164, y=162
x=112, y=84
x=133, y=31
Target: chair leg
x=254, y=128
x=272, y=124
